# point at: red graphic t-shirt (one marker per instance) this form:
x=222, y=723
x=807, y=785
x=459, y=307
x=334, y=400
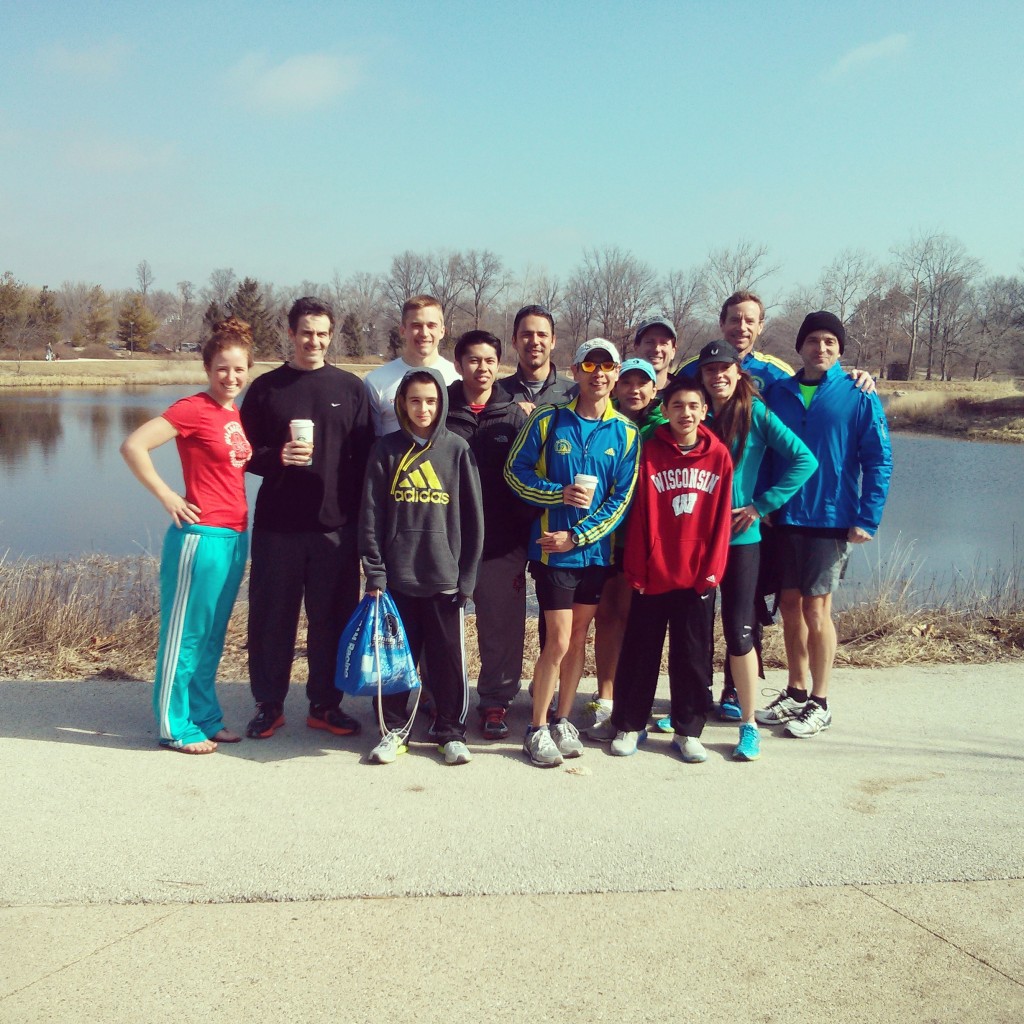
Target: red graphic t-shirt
x=213, y=450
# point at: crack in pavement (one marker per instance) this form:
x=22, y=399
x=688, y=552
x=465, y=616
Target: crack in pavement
x=942, y=938
x=87, y=956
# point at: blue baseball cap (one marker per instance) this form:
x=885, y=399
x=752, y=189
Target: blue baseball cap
x=638, y=364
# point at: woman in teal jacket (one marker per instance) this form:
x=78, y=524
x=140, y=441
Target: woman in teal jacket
x=748, y=429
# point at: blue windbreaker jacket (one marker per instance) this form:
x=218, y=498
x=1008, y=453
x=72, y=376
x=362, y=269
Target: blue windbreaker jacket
x=539, y=466
x=847, y=432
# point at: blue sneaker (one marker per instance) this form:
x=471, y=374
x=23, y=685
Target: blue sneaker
x=664, y=725
x=729, y=706
x=749, y=746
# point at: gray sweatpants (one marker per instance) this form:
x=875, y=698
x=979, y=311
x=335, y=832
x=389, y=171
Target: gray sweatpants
x=500, y=602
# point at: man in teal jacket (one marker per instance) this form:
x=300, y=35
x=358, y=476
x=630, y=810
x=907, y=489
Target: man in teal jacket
x=839, y=505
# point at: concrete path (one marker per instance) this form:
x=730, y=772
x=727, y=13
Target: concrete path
x=873, y=873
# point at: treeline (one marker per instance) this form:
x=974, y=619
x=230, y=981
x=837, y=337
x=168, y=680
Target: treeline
x=926, y=309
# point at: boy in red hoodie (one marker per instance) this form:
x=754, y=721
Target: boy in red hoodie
x=677, y=543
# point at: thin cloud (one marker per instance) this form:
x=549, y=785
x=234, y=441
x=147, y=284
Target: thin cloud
x=116, y=156
x=300, y=83
x=870, y=53
x=103, y=60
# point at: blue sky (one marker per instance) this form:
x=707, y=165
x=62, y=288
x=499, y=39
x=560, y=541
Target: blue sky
x=290, y=141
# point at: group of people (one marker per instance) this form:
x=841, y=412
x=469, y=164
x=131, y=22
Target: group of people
x=632, y=494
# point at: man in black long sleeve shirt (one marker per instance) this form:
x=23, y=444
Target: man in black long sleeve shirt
x=304, y=530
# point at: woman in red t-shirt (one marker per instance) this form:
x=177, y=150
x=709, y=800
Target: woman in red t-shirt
x=205, y=548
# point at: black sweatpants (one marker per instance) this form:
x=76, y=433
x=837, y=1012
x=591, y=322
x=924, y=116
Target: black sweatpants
x=434, y=626
x=289, y=569
x=689, y=618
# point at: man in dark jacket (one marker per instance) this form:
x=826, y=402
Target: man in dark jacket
x=488, y=418
x=536, y=381
x=304, y=529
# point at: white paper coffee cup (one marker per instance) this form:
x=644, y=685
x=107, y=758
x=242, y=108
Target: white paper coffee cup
x=588, y=482
x=302, y=430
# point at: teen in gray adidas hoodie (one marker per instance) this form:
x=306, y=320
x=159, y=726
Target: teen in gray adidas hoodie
x=420, y=538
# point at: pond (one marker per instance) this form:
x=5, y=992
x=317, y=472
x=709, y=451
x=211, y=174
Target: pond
x=955, y=510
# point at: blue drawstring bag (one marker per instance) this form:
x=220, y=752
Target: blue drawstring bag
x=373, y=654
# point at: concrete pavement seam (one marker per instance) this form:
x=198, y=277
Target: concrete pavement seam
x=87, y=956
x=941, y=938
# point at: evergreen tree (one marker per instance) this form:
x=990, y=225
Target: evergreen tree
x=12, y=306
x=352, y=335
x=97, y=321
x=247, y=303
x=213, y=315
x=45, y=318
x=135, y=324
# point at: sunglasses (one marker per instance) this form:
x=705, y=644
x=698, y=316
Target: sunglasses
x=588, y=366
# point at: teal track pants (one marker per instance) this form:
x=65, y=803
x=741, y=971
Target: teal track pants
x=200, y=572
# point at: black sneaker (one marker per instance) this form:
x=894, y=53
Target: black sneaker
x=267, y=720
x=493, y=724
x=334, y=720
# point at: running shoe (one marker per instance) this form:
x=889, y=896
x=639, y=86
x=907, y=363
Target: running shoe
x=388, y=749
x=812, y=720
x=267, y=720
x=455, y=752
x=493, y=724
x=540, y=748
x=664, y=725
x=625, y=743
x=597, y=722
x=729, y=706
x=566, y=737
x=333, y=719
x=782, y=709
x=749, y=746
x=691, y=750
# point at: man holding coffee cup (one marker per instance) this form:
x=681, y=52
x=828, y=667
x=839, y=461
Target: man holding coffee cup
x=577, y=463
x=310, y=429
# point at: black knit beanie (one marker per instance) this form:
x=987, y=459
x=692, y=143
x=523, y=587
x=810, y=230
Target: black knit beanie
x=822, y=321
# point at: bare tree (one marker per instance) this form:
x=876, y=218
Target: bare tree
x=995, y=330
x=843, y=284
x=144, y=275
x=446, y=281
x=624, y=289
x=578, y=306
x=877, y=322
x=912, y=258
x=407, y=277
x=361, y=297
x=684, y=294
x=947, y=275
x=482, y=275
x=221, y=287
x=726, y=271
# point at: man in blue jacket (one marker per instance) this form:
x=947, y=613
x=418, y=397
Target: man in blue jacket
x=838, y=506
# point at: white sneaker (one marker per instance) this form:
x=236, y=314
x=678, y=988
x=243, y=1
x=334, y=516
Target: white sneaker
x=812, y=720
x=691, y=750
x=387, y=750
x=455, y=752
x=566, y=737
x=597, y=721
x=625, y=743
x=540, y=748
x=782, y=709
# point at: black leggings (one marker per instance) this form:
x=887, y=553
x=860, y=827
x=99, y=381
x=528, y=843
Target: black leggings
x=739, y=588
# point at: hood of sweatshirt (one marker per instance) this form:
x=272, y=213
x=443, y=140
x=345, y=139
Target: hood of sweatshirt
x=442, y=414
x=663, y=436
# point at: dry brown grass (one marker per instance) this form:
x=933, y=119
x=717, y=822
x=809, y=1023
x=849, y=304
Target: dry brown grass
x=995, y=413
x=139, y=371
x=97, y=618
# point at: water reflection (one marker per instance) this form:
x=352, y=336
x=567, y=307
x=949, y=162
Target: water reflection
x=65, y=491
x=27, y=429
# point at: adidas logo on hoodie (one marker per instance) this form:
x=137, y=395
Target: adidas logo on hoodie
x=421, y=485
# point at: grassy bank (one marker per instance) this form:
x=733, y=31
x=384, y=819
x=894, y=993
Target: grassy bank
x=136, y=371
x=971, y=411
x=97, y=618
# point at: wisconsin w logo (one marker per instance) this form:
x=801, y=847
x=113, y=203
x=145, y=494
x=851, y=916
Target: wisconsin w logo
x=422, y=485
x=683, y=504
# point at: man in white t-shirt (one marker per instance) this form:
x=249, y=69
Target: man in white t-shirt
x=421, y=332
